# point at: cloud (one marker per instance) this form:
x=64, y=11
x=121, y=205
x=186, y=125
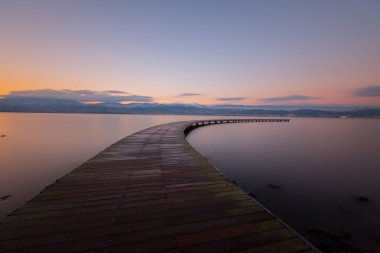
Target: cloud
x=232, y=99
x=115, y=92
x=189, y=94
x=290, y=98
x=369, y=91
x=137, y=98
x=82, y=95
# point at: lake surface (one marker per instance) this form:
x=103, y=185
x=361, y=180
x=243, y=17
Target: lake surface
x=315, y=174
x=309, y=172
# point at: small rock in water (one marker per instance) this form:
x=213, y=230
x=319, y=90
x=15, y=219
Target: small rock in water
x=5, y=197
x=325, y=234
x=332, y=241
x=362, y=199
x=273, y=186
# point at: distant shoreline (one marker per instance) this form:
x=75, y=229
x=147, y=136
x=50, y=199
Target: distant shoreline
x=304, y=114
x=53, y=105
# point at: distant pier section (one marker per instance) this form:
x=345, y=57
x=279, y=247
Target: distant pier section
x=201, y=123
x=149, y=192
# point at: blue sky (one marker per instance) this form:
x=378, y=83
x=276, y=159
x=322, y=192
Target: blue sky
x=221, y=50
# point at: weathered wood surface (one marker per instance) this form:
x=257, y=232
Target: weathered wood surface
x=149, y=192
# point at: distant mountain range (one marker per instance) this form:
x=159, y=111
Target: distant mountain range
x=55, y=105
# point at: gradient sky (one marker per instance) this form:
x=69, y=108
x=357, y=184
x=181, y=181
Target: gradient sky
x=209, y=52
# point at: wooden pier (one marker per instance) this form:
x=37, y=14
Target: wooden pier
x=149, y=192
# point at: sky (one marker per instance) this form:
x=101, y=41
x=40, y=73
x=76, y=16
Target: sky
x=189, y=51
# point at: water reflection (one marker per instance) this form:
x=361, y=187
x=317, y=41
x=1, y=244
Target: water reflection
x=310, y=172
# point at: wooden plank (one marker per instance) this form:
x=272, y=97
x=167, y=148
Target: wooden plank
x=295, y=245
x=233, y=244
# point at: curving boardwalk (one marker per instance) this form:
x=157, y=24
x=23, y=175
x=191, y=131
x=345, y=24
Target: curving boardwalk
x=149, y=192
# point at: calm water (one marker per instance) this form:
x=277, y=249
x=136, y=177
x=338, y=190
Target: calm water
x=309, y=172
